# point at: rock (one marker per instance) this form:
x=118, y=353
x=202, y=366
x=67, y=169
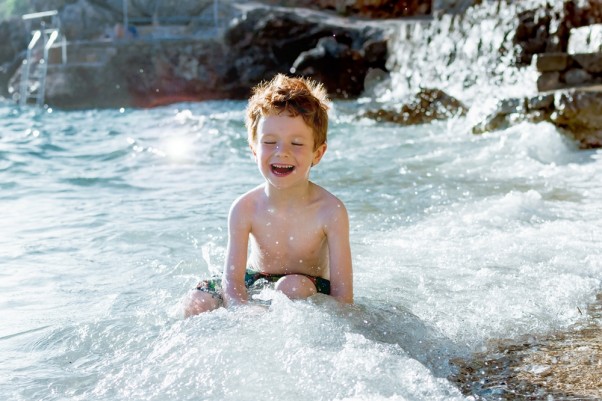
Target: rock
x=492, y=122
x=342, y=70
x=375, y=80
x=586, y=39
x=506, y=112
x=531, y=34
x=579, y=112
x=12, y=50
x=591, y=62
x=71, y=83
x=260, y=42
x=548, y=62
x=82, y=20
x=367, y=8
x=577, y=76
x=540, y=102
x=549, y=81
x=424, y=107
x=511, y=105
x=266, y=41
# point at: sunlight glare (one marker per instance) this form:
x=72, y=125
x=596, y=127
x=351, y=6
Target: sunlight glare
x=178, y=148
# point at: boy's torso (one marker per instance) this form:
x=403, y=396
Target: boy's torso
x=291, y=239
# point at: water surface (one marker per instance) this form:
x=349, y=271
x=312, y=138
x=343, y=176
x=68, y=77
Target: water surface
x=109, y=217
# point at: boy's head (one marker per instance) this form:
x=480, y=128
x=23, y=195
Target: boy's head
x=295, y=96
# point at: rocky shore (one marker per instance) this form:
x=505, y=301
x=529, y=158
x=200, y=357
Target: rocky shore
x=163, y=61
x=218, y=53
x=195, y=51
x=565, y=365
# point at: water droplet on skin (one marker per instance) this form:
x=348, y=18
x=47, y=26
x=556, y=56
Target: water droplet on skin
x=300, y=260
x=291, y=238
x=277, y=242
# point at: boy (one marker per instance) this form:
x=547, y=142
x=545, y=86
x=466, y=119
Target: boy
x=298, y=232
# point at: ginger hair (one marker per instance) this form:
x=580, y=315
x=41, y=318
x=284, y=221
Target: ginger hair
x=296, y=96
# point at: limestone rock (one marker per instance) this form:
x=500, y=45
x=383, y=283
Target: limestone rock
x=586, y=39
x=266, y=41
x=591, y=62
x=426, y=106
x=549, y=81
x=580, y=113
x=577, y=76
x=548, y=62
x=261, y=42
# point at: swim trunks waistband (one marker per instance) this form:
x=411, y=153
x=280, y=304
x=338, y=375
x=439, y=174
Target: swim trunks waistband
x=214, y=284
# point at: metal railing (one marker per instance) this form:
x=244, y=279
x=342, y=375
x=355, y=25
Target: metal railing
x=127, y=20
x=35, y=65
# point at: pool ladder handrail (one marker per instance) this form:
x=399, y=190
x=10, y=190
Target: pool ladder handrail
x=35, y=68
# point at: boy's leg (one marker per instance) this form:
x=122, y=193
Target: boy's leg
x=198, y=302
x=296, y=286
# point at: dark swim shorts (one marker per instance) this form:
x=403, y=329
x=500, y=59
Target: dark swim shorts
x=257, y=280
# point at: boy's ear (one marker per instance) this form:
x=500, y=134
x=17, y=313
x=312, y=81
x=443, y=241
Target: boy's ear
x=253, y=151
x=318, y=153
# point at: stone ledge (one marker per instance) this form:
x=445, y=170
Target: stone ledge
x=576, y=111
x=585, y=39
x=563, y=70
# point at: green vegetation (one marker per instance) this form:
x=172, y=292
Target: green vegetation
x=9, y=8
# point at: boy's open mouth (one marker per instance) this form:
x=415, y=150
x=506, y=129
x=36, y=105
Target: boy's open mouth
x=282, y=169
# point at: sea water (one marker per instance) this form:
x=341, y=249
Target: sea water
x=109, y=217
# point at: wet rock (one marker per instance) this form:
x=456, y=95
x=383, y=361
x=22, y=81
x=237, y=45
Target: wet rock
x=341, y=69
x=577, y=76
x=424, y=107
x=278, y=40
x=13, y=38
x=548, y=62
x=370, y=9
x=375, y=80
x=540, y=102
x=509, y=111
x=579, y=113
x=260, y=42
x=590, y=62
x=564, y=365
x=549, y=81
x=586, y=39
x=532, y=33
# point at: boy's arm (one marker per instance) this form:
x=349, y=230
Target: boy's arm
x=339, y=255
x=233, y=279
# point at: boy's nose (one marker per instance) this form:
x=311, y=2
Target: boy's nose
x=281, y=148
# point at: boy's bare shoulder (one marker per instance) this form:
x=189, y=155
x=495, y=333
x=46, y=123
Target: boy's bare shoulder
x=248, y=200
x=328, y=200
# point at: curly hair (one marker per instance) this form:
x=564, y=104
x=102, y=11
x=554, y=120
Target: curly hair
x=296, y=96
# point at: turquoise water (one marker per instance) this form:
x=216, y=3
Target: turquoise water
x=109, y=217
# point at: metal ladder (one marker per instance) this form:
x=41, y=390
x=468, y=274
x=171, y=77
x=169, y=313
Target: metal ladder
x=35, y=64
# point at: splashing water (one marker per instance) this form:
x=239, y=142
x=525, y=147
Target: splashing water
x=456, y=240
x=110, y=217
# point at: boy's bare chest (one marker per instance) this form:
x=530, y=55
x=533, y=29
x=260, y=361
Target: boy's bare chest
x=289, y=240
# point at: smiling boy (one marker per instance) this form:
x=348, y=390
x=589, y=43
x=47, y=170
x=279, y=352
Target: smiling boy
x=297, y=232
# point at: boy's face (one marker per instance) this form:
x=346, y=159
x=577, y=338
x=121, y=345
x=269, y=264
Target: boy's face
x=284, y=149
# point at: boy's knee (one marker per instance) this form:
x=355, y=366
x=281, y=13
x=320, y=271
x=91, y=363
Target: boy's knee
x=198, y=302
x=296, y=286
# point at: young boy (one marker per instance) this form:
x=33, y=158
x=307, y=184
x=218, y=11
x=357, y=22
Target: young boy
x=298, y=232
